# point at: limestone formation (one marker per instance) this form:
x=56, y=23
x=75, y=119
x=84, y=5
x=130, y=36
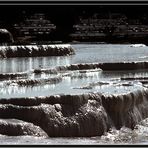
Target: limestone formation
x=78, y=115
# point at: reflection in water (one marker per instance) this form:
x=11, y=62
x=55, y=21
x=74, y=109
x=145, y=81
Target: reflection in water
x=72, y=83
x=75, y=82
x=85, y=53
x=12, y=65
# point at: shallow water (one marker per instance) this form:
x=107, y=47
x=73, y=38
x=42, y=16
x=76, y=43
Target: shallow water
x=85, y=53
x=75, y=82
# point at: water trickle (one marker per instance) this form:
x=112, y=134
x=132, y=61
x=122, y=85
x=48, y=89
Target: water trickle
x=86, y=94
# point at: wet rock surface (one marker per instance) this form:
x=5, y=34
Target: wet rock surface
x=4, y=76
x=35, y=51
x=13, y=127
x=83, y=68
x=101, y=66
x=78, y=115
x=32, y=82
x=83, y=109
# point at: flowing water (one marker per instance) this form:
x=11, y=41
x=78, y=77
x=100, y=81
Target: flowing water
x=79, y=82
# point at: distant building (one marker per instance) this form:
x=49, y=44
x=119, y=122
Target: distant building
x=35, y=27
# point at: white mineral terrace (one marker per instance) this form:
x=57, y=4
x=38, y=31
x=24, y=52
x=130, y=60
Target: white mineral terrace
x=63, y=96
x=36, y=46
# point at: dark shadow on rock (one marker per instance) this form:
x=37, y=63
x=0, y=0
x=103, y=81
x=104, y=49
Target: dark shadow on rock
x=78, y=115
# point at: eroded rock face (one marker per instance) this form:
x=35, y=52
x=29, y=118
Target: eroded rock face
x=67, y=116
x=127, y=109
x=73, y=115
x=78, y=115
x=13, y=127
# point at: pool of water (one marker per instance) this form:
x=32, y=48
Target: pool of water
x=85, y=53
x=75, y=82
